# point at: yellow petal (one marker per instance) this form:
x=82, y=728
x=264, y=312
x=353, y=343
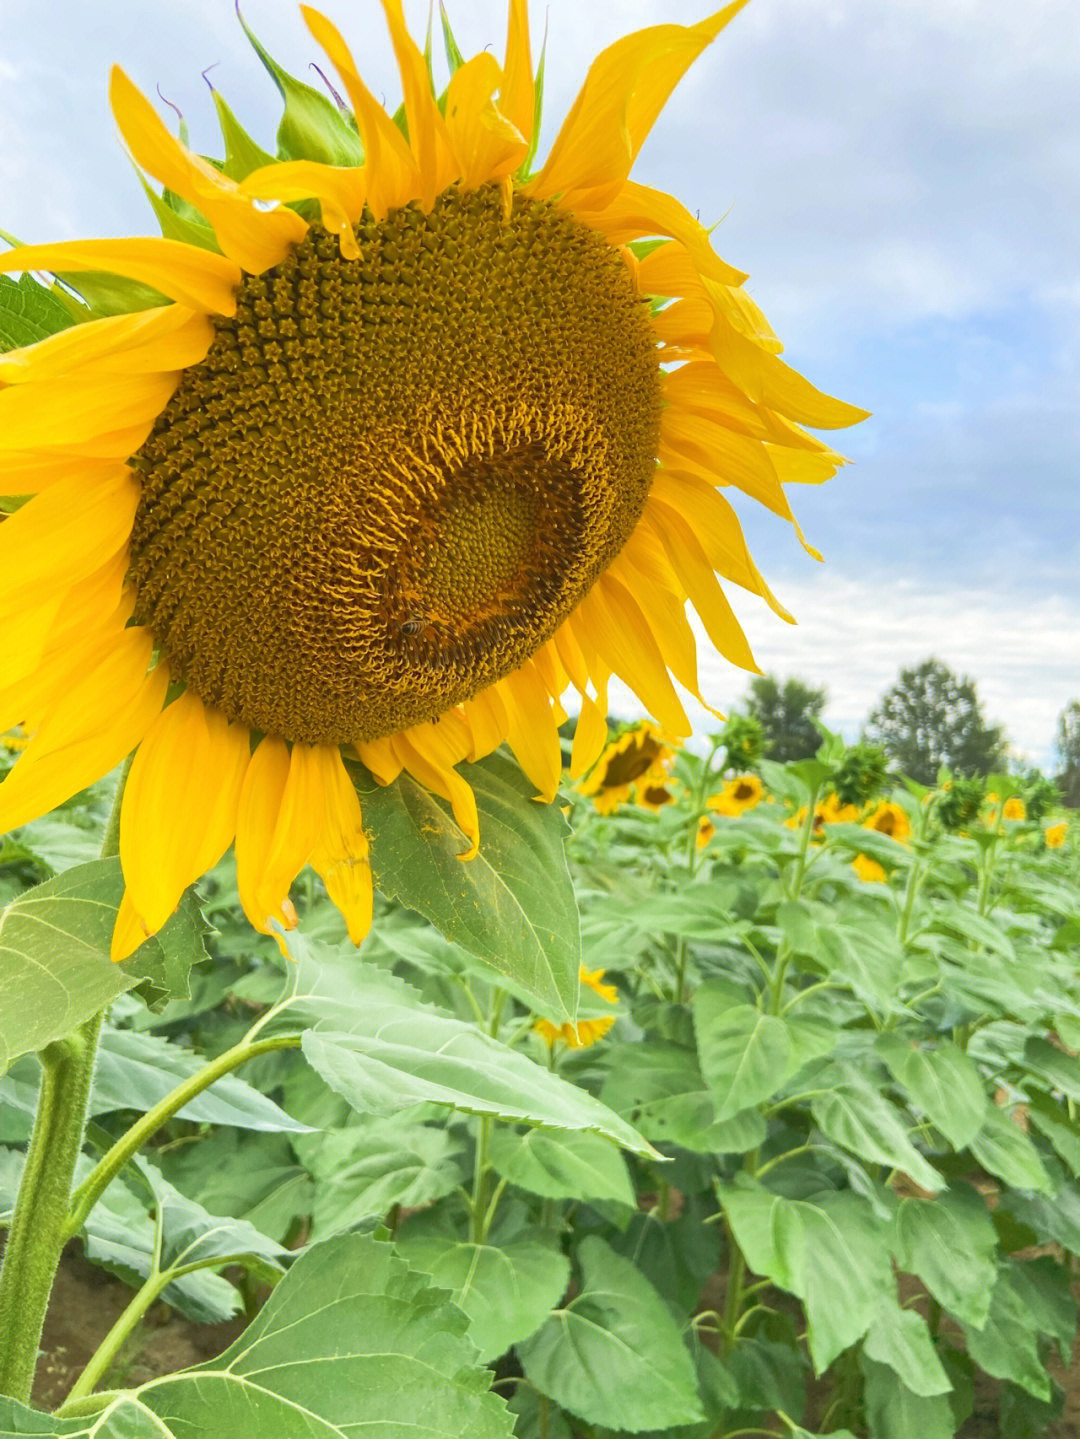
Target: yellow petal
x=339, y=189
x=627, y=86
x=178, y=814
x=87, y=732
x=573, y=661
x=192, y=276
x=254, y=239
x=443, y=780
x=717, y=526
x=722, y=455
x=670, y=270
x=128, y=931
x=590, y=737
x=61, y=536
x=427, y=128
x=278, y=824
x=533, y=735
x=488, y=722
x=643, y=556
x=379, y=757
x=169, y=338
x=767, y=380
x=47, y=646
x=28, y=472
x=341, y=856
x=698, y=579
x=391, y=170
x=625, y=640
x=487, y=144
x=70, y=409
x=517, y=98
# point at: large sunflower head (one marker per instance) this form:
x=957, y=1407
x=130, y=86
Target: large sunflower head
x=397, y=440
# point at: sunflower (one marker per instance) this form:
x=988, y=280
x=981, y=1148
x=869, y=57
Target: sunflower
x=1054, y=834
x=1014, y=809
x=891, y=819
x=636, y=762
x=738, y=795
x=398, y=441
x=588, y=1029
x=868, y=870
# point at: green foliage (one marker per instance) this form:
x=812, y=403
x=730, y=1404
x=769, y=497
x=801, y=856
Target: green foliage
x=931, y=719
x=786, y=712
x=29, y=312
x=775, y=1166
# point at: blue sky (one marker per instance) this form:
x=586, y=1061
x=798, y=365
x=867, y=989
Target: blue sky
x=902, y=180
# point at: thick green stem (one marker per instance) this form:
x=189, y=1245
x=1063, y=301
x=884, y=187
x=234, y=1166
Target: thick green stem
x=914, y=883
x=129, y=1144
x=700, y=791
x=480, y=1175
x=38, y=1227
x=38, y=1233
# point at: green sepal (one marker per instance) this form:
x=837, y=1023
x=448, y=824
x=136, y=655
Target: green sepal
x=312, y=127
x=242, y=153
x=107, y=294
x=525, y=167
x=454, y=58
x=175, y=226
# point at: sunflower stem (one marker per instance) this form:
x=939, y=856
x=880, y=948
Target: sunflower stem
x=39, y=1230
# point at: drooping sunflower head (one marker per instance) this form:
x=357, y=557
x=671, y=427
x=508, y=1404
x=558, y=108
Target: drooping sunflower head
x=890, y=819
x=398, y=439
x=636, y=763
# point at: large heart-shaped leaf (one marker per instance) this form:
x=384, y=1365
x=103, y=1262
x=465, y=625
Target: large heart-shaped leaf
x=513, y=905
x=351, y=1343
x=949, y=1242
x=854, y=1114
x=375, y=1042
x=507, y=1290
x=55, y=970
x=562, y=1166
x=614, y=1355
x=944, y=1082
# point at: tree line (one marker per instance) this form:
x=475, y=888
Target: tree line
x=929, y=719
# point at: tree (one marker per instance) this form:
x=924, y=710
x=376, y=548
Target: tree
x=932, y=718
x=786, y=713
x=1068, y=748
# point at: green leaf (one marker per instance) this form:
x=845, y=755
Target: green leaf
x=1052, y=1119
x=55, y=970
x=1055, y=1220
x=1052, y=1067
x=507, y=1291
x=513, y=905
x=382, y=1049
x=855, y=1115
x=1003, y=1148
x=245, y=1176
x=29, y=312
x=351, y=1341
x=312, y=127
x=893, y=1411
x=829, y=1251
x=950, y=1243
x=768, y=1374
x=135, y=1071
x=614, y=1355
x=747, y=1056
x=363, y=1171
x=659, y=1088
x=899, y=1338
x=1007, y=1345
x=562, y=1166
x=944, y=1082
x=968, y=924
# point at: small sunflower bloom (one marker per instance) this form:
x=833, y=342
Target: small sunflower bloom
x=654, y=797
x=1054, y=834
x=834, y=811
x=868, y=870
x=639, y=758
x=890, y=819
x=589, y=1029
x=705, y=831
x=738, y=795
x=384, y=475
x=1014, y=809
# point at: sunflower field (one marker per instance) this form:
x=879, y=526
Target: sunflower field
x=392, y=1045
x=806, y=1162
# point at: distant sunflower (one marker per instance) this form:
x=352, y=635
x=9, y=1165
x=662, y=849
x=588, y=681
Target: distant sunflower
x=890, y=819
x=635, y=763
x=1054, y=834
x=743, y=792
x=402, y=448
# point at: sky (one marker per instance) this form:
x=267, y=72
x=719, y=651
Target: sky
x=901, y=178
